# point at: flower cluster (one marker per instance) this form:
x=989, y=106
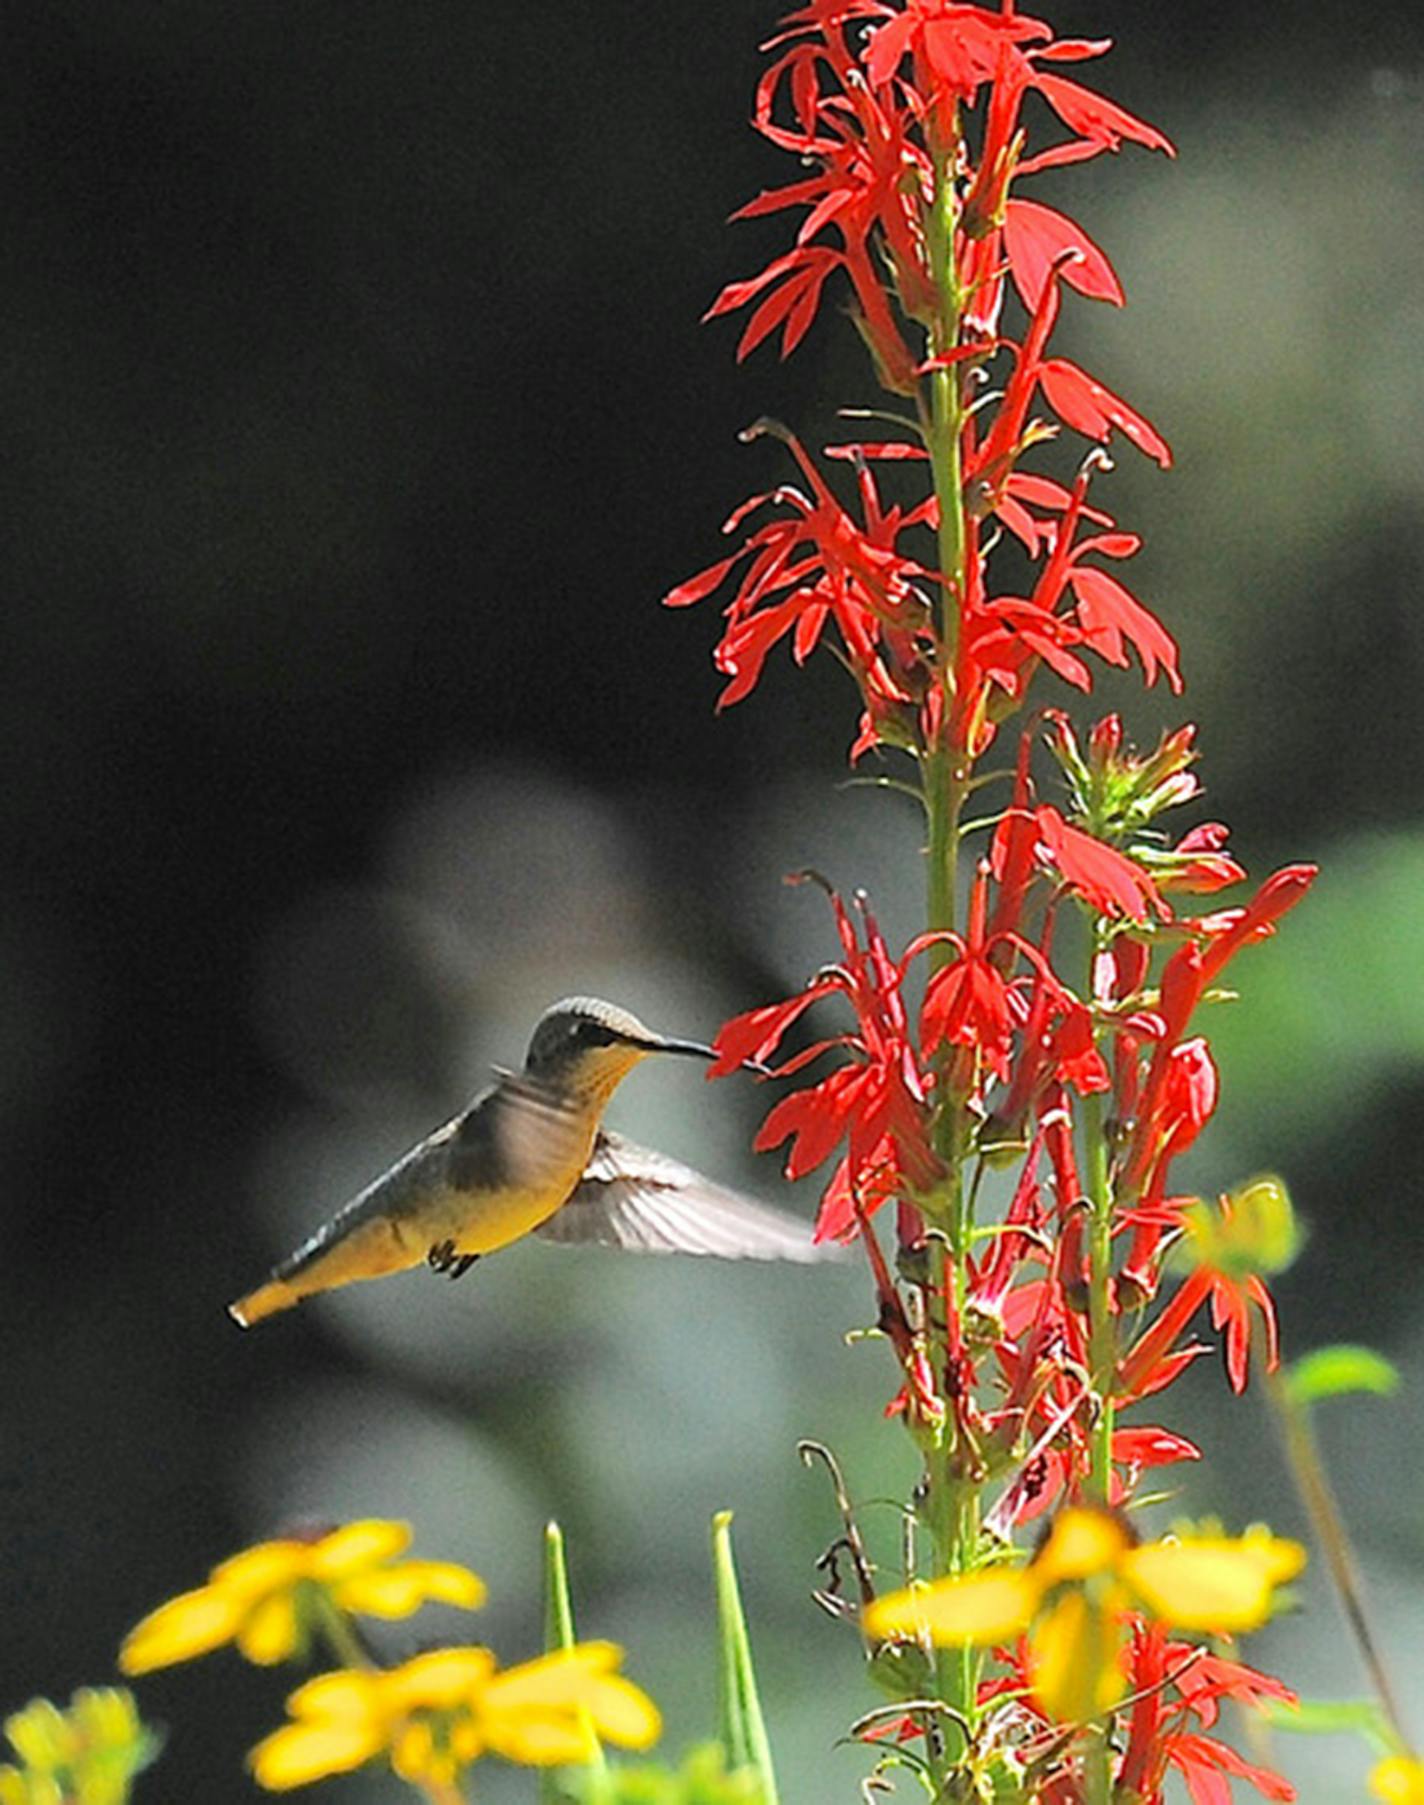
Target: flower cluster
x=1050, y=1017
x=929, y=232
x=87, y=1755
x=435, y=1716
x=430, y=1718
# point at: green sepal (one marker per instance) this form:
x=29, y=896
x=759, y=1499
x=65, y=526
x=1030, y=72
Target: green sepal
x=559, y=1633
x=740, y=1722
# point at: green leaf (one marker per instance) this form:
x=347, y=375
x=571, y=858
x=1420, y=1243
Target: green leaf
x=1330, y=1372
x=1335, y=1717
x=559, y=1633
x=742, y=1726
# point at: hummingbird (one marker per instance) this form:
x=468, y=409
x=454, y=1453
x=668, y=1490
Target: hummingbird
x=529, y=1156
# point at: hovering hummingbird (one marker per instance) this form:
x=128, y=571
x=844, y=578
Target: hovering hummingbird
x=529, y=1156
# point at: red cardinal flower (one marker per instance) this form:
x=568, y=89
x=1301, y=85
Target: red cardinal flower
x=1108, y=882
x=877, y=1101
x=810, y=566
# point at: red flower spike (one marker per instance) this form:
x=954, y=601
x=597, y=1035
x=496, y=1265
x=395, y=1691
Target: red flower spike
x=880, y=99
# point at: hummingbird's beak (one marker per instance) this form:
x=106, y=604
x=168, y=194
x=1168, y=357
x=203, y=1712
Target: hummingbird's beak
x=694, y=1049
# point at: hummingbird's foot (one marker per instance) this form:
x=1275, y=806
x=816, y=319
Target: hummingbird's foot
x=443, y=1258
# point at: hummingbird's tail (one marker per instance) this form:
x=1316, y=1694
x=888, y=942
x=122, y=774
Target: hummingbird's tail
x=265, y=1301
x=355, y=1245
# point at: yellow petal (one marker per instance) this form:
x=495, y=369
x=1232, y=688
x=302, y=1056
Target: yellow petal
x=555, y=1679
x=14, y=1789
x=622, y=1712
x=368, y=1543
x=187, y=1626
x=1075, y=1665
x=1281, y=1558
x=413, y=1753
x=1081, y=1543
x=41, y=1736
x=269, y=1567
x=268, y=1633
x=397, y=1591
x=1398, y=1781
x=1214, y=1583
x=298, y=1753
x=539, y=1736
x=350, y=1692
x=557, y=1701
x=438, y=1681
x=975, y=1607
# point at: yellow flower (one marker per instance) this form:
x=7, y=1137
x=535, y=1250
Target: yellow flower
x=1072, y=1595
x=438, y=1713
x=257, y=1598
x=1398, y=1781
x=86, y=1755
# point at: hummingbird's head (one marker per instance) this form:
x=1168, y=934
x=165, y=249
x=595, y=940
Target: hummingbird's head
x=588, y=1047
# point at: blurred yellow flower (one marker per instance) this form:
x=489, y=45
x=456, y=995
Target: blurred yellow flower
x=86, y=1755
x=263, y=1598
x=438, y=1713
x=1072, y=1595
x=1398, y=1781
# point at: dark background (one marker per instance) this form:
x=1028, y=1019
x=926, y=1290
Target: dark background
x=355, y=416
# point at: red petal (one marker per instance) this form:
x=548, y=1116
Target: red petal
x=695, y=588
x=1035, y=236
x=1092, y=115
x=1108, y=613
x=756, y=1033
x=1102, y=876
x=1082, y=402
x=1151, y=1447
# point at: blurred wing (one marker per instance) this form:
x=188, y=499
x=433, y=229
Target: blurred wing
x=644, y=1202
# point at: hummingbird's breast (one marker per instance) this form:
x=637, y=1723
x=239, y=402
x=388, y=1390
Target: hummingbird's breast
x=515, y=1158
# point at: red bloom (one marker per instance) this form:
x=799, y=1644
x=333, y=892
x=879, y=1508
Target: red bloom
x=810, y=567
x=877, y=1102
x=1108, y=882
x=967, y=1002
x=1153, y=1361
x=1177, y=1683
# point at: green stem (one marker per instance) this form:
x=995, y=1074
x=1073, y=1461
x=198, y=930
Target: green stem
x=1102, y=1362
x=1102, y=1324
x=952, y=1487
x=338, y=1631
x=344, y=1641
x=441, y=1792
x=1317, y=1494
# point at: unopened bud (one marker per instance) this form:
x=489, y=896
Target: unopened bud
x=1105, y=740
x=1254, y=1232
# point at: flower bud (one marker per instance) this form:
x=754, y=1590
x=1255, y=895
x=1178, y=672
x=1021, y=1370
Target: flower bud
x=1254, y=1232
